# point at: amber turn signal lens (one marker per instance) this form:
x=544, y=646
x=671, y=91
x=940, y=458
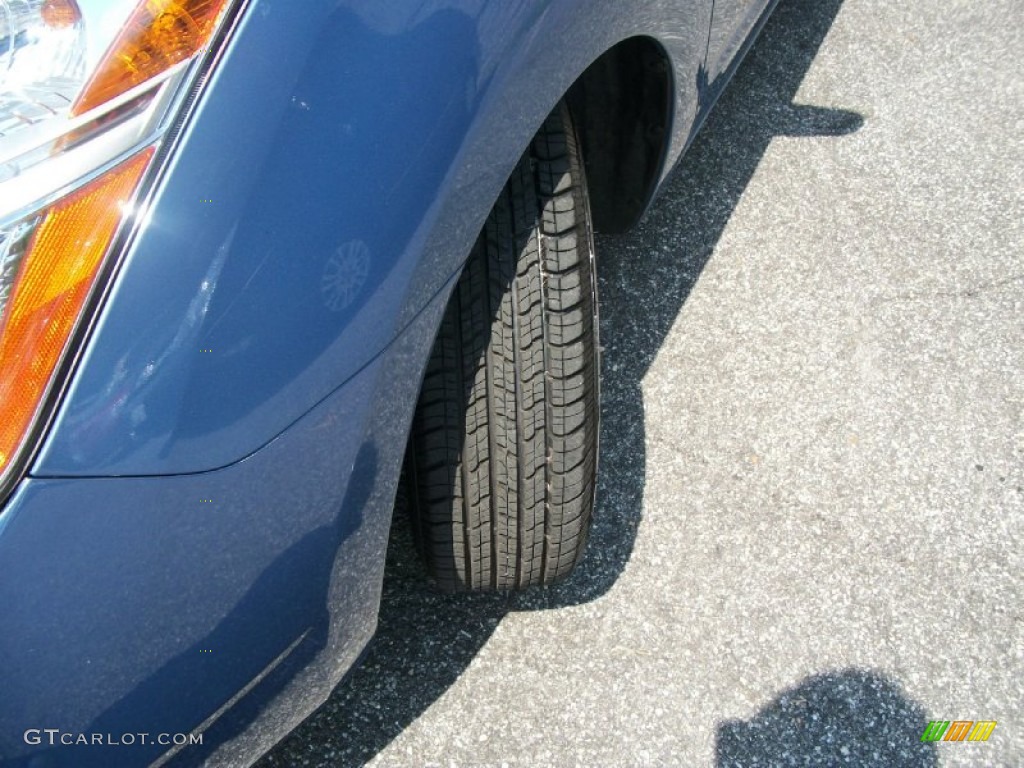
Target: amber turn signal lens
x=59, y=14
x=56, y=274
x=159, y=34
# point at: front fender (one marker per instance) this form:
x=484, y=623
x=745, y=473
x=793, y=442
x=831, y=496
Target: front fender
x=333, y=177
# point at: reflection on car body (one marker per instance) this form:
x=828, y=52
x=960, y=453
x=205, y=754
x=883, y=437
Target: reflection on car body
x=261, y=265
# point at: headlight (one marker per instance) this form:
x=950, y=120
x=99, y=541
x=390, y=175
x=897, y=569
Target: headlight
x=42, y=69
x=88, y=89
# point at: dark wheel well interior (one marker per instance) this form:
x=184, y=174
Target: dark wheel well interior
x=621, y=106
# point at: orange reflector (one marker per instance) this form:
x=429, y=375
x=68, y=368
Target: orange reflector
x=59, y=14
x=159, y=34
x=53, y=282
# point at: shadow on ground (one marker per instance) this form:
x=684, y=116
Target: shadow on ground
x=849, y=717
x=425, y=640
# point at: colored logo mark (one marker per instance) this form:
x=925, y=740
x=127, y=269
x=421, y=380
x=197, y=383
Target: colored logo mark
x=958, y=730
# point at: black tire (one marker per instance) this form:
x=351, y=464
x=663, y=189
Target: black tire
x=503, y=453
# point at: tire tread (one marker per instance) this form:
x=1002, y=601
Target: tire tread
x=504, y=441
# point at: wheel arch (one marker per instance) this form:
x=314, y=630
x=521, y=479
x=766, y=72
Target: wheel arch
x=622, y=108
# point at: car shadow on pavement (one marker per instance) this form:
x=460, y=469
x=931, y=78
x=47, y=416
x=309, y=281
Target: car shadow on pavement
x=426, y=640
x=646, y=276
x=847, y=717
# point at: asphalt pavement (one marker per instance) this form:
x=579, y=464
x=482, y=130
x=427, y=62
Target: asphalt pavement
x=808, y=536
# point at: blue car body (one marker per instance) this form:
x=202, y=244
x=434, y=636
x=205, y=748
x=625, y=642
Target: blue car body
x=197, y=544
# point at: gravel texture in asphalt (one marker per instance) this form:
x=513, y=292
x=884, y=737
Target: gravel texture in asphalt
x=808, y=538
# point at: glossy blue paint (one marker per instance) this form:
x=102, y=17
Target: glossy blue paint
x=730, y=26
x=344, y=190
x=143, y=605
x=201, y=542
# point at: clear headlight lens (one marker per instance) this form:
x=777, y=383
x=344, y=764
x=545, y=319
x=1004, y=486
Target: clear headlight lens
x=42, y=69
x=88, y=89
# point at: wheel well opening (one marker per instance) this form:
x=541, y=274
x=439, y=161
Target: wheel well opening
x=621, y=106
